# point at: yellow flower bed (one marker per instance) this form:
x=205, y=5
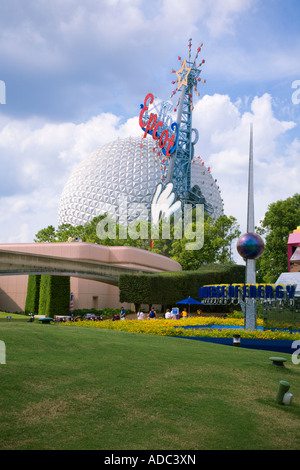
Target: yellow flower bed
x=164, y=327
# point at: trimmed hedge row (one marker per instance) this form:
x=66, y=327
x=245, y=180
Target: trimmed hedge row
x=48, y=295
x=54, y=295
x=33, y=294
x=168, y=288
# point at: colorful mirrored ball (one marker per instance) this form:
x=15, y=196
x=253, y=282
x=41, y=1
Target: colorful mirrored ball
x=250, y=246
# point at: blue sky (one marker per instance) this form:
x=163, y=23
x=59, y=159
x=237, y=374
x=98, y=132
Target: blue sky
x=77, y=71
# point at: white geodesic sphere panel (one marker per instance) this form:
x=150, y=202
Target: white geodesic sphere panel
x=202, y=177
x=121, y=169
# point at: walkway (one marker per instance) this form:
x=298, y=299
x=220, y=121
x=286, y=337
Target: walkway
x=13, y=262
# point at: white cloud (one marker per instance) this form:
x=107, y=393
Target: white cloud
x=224, y=145
x=36, y=161
x=222, y=15
x=51, y=39
x=216, y=16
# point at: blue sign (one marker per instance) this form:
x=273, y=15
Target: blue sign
x=251, y=291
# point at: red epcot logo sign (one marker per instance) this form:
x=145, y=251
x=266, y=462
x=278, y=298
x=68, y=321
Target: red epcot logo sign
x=166, y=143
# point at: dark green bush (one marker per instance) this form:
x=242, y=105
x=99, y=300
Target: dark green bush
x=170, y=287
x=54, y=295
x=33, y=294
x=105, y=312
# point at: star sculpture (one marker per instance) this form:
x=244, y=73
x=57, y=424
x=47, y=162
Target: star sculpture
x=183, y=74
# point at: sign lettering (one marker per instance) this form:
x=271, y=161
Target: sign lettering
x=152, y=126
x=251, y=291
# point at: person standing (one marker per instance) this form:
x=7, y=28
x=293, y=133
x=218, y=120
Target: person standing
x=168, y=314
x=123, y=313
x=184, y=313
x=152, y=314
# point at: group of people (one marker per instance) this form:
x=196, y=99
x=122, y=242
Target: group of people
x=173, y=316
x=151, y=315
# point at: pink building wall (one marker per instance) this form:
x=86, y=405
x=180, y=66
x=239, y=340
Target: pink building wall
x=87, y=294
x=293, y=242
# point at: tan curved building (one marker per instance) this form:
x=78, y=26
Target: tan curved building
x=86, y=293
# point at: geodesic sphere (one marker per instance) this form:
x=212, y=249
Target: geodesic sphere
x=250, y=246
x=122, y=170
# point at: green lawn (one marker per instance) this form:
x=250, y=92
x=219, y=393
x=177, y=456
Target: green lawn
x=84, y=388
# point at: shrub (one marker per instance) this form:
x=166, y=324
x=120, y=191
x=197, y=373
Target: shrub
x=54, y=296
x=235, y=314
x=105, y=312
x=33, y=294
x=170, y=287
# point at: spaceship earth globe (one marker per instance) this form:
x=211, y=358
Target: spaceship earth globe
x=122, y=170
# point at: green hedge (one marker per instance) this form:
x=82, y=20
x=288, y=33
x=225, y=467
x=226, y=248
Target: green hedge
x=54, y=295
x=33, y=294
x=104, y=312
x=168, y=288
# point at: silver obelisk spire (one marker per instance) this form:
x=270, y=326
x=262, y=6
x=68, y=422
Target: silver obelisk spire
x=250, y=265
x=250, y=305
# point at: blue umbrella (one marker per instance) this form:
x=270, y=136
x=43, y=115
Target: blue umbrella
x=188, y=301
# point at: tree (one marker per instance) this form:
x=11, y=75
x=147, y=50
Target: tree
x=281, y=218
x=218, y=237
x=86, y=233
x=46, y=235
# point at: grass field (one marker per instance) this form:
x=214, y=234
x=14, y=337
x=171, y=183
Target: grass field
x=65, y=387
